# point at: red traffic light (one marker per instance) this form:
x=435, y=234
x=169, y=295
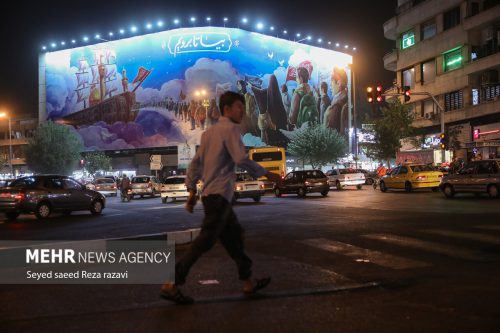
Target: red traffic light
x=380, y=99
x=379, y=89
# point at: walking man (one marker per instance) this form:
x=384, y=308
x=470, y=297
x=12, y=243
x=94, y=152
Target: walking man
x=220, y=151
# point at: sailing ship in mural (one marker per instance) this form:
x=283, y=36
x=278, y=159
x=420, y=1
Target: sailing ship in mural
x=97, y=90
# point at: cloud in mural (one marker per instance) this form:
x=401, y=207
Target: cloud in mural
x=280, y=74
x=207, y=73
x=61, y=97
x=160, y=131
x=252, y=141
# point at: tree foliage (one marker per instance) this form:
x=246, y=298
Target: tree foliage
x=388, y=130
x=318, y=146
x=53, y=148
x=97, y=161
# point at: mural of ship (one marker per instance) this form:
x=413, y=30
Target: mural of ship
x=97, y=89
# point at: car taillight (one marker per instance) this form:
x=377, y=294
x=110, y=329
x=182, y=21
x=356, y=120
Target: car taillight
x=239, y=188
x=421, y=177
x=307, y=183
x=98, y=187
x=19, y=196
x=114, y=187
x=282, y=174
x=262, y=186
x=440, y=176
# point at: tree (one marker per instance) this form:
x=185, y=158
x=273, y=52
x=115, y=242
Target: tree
x=53, y=148
x=97, y=161
x=388, y=130
x=318, y=146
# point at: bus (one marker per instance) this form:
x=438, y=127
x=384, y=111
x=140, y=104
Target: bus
x=273, y=159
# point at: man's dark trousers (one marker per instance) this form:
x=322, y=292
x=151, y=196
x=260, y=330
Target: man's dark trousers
x=221, y=223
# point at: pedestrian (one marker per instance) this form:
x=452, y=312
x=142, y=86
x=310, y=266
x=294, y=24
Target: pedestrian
x=220, y=151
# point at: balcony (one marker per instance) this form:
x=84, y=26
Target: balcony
x=464, y=114
x=391, y=60
x=483, y=63
x=482, y=19
x=390, y=28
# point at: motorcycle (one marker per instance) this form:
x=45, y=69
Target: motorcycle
x=126, y=197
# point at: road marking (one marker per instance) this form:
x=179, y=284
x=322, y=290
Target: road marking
x=447, y=250
x=364, y=255
x=489, y=227
x=162, y=207
x=110, y=215
x=466, y=235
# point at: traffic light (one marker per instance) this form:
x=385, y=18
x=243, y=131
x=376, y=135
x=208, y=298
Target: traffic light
x=407, y=94
x=443, y=141
x=369, y=95
x=380, y=98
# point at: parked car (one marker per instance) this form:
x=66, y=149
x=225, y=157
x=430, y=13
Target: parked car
x=475, y=177
x=145, y=185
x=245, y=186
x=341, y=178
x=411, y=177
x=5, y=182
x=303, y=182
x=45, y=194
x=105, y=186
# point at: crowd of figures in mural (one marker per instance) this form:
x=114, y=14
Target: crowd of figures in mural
x=174, y=95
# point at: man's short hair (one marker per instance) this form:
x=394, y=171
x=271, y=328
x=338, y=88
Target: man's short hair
x=303, y=74
x=228, y=98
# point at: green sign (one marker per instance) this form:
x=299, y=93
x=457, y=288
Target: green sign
x=408, y=40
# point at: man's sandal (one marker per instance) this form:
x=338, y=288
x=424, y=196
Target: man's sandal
x=258, y=285
x=177, y=297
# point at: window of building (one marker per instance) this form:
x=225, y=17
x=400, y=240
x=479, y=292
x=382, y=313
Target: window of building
x=428, y=71
x=453, y=100
x=408, y=39
x=491, y=92
x=475, y=96
x=408, y=77
x=429, y=29
x=427, y=108
x=451, y=18
x=453, y=60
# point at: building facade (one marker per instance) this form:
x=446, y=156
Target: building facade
x=21, y=130
x=450, y=49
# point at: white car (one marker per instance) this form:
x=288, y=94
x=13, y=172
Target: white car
x=246, y=186
x=340, y=178
x=174, y=187
x=105, y=186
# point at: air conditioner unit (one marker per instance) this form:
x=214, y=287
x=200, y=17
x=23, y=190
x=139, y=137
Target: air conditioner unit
x=489, y=77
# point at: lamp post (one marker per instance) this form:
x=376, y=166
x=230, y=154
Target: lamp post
x=5, y=115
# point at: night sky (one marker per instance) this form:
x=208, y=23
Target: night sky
x=26, y=28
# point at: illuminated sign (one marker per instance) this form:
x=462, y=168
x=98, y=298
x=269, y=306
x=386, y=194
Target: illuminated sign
x=453, y=59
x=199, y=42
x=408, y=39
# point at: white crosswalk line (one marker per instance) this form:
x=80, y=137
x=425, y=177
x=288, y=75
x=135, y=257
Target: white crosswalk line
x=466, y=235
x=488, y=227
x=448, y=250
x=364, y=255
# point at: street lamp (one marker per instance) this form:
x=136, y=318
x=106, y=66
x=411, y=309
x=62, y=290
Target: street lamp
x=5, y=115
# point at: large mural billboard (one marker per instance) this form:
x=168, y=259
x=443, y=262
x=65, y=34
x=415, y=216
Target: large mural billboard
x=162, y=89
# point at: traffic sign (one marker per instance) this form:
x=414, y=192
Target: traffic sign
x=155, y=166
x=155, y=158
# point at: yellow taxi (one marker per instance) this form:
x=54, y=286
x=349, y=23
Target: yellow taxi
x=411, y=177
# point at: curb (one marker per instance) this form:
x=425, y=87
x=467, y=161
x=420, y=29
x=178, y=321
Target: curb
x=179, y=237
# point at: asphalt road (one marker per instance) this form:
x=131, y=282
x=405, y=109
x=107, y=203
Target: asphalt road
x=356, y=261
